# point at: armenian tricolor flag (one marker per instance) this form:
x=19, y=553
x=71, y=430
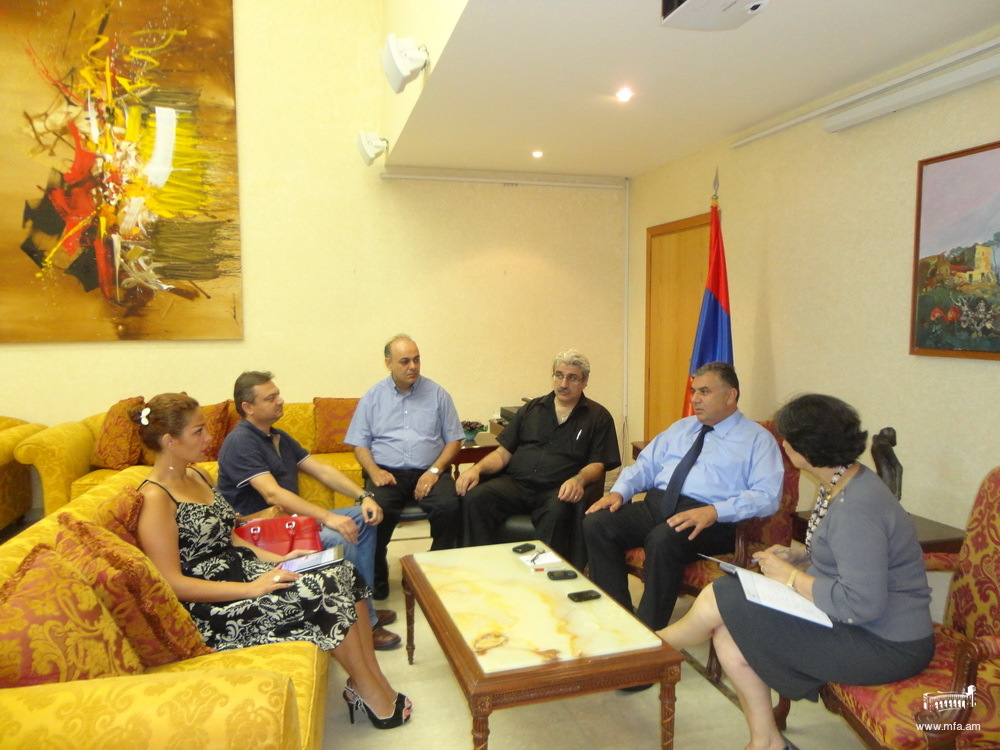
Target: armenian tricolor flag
x=714, y=340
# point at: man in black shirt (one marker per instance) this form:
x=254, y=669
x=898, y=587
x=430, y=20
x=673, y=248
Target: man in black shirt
x=554, y=446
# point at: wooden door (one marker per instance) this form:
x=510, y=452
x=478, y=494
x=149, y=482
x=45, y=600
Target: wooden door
x=676, y=270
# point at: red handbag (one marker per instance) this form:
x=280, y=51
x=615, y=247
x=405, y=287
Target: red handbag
x=282, y=534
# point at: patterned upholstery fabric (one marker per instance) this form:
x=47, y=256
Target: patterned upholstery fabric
x=263, y=697
x=941, y=562
x=299, y=422
x=118, y=445
x=972, y=611
x=143, y=605
x=333, y=417
x=119, y=514
x=227, y=709
x=15, y=479
x=53, y=628
x=220, y=419
x=305, y=664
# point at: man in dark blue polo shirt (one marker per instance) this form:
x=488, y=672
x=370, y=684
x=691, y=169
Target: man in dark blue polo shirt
x=259, y=467
x=554, y=446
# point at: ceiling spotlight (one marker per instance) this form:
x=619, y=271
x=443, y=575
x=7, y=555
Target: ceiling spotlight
x=402, y=61
x=624, y=94
x=371, y=146
x=537, y=154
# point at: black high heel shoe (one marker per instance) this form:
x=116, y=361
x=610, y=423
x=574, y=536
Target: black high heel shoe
x=400, y=714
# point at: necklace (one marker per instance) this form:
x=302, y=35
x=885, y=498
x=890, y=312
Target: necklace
x=823, y=503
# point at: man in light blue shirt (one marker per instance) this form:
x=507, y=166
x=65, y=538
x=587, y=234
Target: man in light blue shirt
x=406, y=433
x=737, y=474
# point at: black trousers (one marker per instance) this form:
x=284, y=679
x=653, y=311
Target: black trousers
x=490, y=503
x=441, y=506
x=609, y=535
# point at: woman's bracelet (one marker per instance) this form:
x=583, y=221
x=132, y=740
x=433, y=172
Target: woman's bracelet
x=791, y=579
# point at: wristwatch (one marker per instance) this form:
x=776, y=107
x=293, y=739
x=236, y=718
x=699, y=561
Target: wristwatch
x=362, y=496
x=434, y=470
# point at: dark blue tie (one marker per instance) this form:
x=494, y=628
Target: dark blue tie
x=673, y=491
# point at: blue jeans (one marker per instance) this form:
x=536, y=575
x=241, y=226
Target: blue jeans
x=361, y=554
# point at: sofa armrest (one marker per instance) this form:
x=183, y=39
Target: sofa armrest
x=13, y=436
x=211, y=709
x=60, y=455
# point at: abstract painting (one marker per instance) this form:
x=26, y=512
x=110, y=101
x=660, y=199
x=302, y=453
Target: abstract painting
x=119, y=212
x=956, y=271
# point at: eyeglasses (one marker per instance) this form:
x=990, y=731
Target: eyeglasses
x=571, y=378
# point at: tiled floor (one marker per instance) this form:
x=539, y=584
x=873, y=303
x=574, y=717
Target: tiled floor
x=441, y=721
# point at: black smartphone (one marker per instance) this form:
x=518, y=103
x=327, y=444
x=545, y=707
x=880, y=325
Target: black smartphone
x=583, y=596
x=522, y=548
x=561, y=575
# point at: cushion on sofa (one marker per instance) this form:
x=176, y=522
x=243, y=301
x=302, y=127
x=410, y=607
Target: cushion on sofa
x=119, y=514
x=54, y=629
x=220, y=419
x=118, y=445
x=132, y=589
x=333, y=417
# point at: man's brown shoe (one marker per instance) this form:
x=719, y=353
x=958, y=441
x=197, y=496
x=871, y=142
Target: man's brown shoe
x=385, y=617
x=384, y=640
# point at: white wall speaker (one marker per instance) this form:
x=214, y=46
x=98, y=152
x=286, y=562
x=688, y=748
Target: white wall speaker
x=402, y=61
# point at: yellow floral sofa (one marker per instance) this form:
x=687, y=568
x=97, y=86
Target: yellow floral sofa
x=96, y=651
x=15, y=479
x=74, y=457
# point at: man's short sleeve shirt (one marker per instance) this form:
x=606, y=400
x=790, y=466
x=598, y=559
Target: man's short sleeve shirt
x=248, y=452
x=405, y=430
x=544, y=453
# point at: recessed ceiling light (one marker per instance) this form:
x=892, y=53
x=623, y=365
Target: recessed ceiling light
x=624, y=94
x=537, y=154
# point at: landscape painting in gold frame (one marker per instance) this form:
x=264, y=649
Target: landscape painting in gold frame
x=119, y=212
x=956, y=292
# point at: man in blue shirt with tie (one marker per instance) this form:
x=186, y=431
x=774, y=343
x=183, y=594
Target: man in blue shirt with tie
x=406, y=433
x=701, y=475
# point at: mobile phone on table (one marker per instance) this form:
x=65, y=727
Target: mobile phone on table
x=561, y=575
x=522, y=548
x=583, y=596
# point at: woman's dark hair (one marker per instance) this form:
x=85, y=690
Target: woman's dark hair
x=824, y=429
x=166, y=414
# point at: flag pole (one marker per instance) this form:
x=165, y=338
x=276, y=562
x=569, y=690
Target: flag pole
x=713, y=340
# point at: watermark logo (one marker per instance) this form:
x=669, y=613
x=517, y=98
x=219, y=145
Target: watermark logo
x=941, y=700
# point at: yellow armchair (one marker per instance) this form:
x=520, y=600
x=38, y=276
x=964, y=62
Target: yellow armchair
x=15, y=479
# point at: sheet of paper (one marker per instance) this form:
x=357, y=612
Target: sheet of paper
x=541, y=558
x=771, y=593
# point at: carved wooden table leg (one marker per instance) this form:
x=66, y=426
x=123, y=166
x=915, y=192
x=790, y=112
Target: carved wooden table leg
x=481, y=709
x=667, y=700
x=408, y=594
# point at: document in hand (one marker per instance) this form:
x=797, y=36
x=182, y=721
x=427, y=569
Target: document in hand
x=775, y=595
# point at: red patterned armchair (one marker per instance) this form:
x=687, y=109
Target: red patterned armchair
x=752, y=535
x=961, y=686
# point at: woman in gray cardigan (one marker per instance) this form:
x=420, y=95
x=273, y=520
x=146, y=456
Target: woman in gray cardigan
x=862, y=565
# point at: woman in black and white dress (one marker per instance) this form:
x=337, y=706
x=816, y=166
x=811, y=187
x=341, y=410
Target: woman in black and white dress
x=235, y=592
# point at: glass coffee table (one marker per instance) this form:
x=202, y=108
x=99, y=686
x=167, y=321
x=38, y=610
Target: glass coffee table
x=513, y=637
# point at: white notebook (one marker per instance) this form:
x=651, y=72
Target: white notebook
x=770, y=593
